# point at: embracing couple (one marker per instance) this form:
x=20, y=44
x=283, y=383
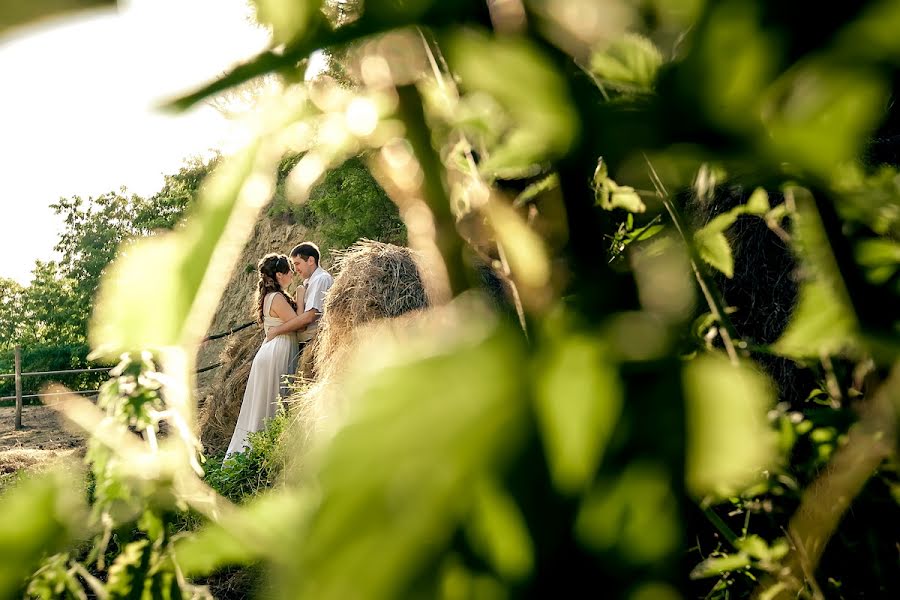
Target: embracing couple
x=286, y=322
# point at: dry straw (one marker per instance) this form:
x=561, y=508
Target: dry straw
x=376, y=283
x=220, y=406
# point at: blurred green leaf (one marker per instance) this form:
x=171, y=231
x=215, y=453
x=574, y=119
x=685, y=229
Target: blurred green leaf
x=880, y=256
x=522, y=79
x=878, y=252
x=128, y=573
x=618, y=515
x=775, y=551
x=54, y=580
x=628, y=64
x=729, y=440
x=819, y=114
x=873, y=199
x=874, y=34
x=610, y=195
x=42, y=514
x=498, y=531
x=734, y=57
x=655, y=590
x=459, y=583
x=432, y=413
x=288, y=20
x=258, y=530
x=17, y=14
x=713, y=247
x=758, y=203
x=534, y=190
x=525, y=250
x=822, y=322
x=720, y=564
x=578, y=399
x=753, y=545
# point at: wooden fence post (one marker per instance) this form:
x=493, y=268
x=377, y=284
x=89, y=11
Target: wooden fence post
x=18, y=387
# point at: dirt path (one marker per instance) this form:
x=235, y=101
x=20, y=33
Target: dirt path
x=43, y=439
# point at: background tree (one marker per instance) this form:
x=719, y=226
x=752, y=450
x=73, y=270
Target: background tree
x=49, y=317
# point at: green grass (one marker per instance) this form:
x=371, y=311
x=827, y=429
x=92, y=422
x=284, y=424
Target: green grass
x=246, y=474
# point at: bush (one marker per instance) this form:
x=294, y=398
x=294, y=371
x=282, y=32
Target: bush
x=346, y=206
x=244, y=475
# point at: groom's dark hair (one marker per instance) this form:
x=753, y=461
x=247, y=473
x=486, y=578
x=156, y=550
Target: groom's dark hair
x=305, y=250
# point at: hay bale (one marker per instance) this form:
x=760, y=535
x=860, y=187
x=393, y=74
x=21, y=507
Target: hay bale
x=374, y=281
x=221, y=405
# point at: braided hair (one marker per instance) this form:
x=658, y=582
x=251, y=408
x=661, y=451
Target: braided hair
x=267, y=267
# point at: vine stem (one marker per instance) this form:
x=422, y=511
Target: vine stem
x=707, y=285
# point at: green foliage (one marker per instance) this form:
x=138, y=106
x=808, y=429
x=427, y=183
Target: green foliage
x=629, y=64
x=710, y=240
x=10, y=312
x=349, y=205
x=45, y=312
x=730, y=442
x=50, y=358
x=167, y=207
x=346, y=206
x=45, y=515
x=435, y=416
x=611, y=195
x=49, y=317
x=246, y=474
x=131, y=507
x=823, y=322
x=540, y=129
x=617, y=514
x=577, y=432
x=55, y=579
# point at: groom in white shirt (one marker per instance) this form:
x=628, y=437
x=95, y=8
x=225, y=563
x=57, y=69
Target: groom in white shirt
x=305, y=257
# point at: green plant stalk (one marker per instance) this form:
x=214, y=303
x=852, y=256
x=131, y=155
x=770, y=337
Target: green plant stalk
x=722, y=526
x=447, y=239
x=707, y=285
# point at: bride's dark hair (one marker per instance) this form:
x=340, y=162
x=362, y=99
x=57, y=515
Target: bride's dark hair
x=267, y=267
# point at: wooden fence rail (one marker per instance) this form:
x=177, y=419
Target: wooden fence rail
x=19, y=374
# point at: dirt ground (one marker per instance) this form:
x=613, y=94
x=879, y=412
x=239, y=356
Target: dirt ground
x=42, y=441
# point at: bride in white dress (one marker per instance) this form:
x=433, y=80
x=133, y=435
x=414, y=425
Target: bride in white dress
x=275, y=357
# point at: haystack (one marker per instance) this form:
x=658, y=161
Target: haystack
x=221, y=404
x=375, y=281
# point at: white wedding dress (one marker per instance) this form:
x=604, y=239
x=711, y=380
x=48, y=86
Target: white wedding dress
x=275, y=358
